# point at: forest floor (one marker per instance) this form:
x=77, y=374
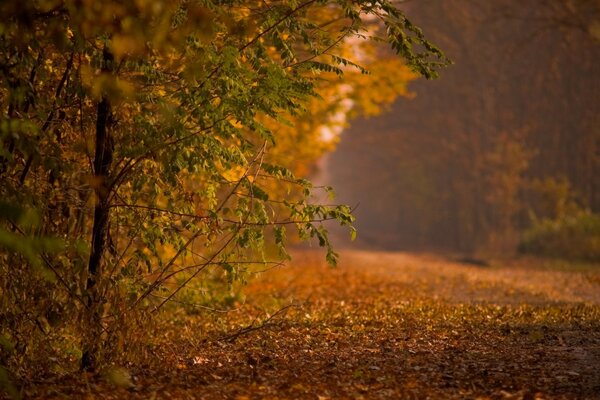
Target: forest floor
x=381, y=326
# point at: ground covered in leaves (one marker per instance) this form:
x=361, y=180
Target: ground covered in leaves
x=380, y=326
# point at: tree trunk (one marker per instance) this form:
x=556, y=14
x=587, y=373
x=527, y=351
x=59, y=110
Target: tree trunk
x=102, y=163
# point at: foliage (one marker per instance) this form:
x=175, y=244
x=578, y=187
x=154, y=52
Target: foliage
x=143, y=137
x=572, y=236
x=559, y=227
x=459, y=167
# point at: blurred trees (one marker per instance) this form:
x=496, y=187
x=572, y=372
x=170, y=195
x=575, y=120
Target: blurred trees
x=509, y=136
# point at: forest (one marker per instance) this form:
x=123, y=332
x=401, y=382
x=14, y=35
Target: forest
x=499, y=156
x=315, y=199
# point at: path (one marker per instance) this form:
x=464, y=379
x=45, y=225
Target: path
x=387, y=326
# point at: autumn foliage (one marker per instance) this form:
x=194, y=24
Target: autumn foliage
x=145, y=144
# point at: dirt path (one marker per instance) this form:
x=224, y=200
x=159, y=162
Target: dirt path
x=418, y=326
x=519, y=282
x=384, y=326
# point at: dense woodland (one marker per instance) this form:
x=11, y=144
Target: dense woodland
x=503, y=151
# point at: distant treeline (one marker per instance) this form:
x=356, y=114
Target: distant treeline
x=505, y=146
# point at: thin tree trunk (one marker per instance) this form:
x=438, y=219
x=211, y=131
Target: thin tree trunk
x=102, y=163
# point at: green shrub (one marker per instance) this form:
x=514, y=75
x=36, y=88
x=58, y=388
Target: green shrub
x=574, y=237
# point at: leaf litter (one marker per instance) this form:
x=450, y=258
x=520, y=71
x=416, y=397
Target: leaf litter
x=380, y=326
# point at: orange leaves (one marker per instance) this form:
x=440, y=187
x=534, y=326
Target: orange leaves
x=375, y=331
x=122, y=45
x=106, y=84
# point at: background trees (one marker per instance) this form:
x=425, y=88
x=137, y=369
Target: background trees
x=138, y=150
x=508, y=137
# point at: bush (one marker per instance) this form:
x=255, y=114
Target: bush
x=574, y=237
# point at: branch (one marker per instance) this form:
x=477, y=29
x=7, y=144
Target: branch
x=130, y=164
x=46, y=125
x=60, y=278
x=230, y=221
x=253, y=327
x=278, y=22
x=160, y=277
x=257, y=37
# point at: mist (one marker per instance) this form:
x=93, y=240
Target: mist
x=506, y=139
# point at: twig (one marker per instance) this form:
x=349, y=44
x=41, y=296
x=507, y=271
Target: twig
x=253, y=327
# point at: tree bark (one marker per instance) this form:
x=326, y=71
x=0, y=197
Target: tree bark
x=102, y=164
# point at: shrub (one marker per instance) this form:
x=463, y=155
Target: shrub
x=575, y=236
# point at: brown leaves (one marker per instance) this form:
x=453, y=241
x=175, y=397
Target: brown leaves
x=379, y=327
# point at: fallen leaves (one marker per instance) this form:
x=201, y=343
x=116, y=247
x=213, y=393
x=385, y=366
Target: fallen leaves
x=376, y=328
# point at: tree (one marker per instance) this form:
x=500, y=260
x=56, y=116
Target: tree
x=457, y=176
x=140, y=137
